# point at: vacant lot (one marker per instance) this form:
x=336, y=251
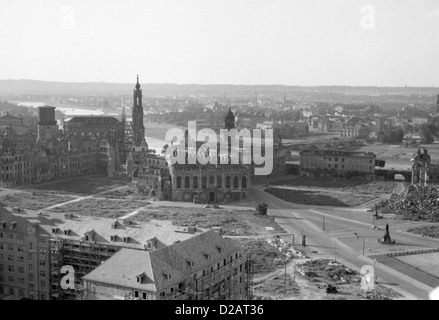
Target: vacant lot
x=344, y=185
x=236, y=222
x=101, y=208
x=31, y=200
x=428, y=262
x=262, y=254
x=430, y=231
x=319, y=198
x=87, y=185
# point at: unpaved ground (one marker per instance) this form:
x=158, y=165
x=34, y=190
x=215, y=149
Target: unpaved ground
x=313, y=286
x=30, y=200
x=233, y=222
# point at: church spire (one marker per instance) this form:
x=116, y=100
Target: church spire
x=137, y=84
x=137, y=115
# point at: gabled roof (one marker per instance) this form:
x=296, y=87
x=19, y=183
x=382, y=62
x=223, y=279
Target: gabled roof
x=125, y=265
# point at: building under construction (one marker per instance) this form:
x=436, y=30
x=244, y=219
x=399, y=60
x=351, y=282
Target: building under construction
x=40, y=244
x=204, y=267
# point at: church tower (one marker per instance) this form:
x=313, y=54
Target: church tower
x=229, y=121
x=137, y=114
x=47, y=127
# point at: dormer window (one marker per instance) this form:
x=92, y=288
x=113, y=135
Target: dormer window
x=3, y=224
x=190, y=263
x=140, y=277
x=113, y=238
x=220, y=249
x=54, y=230
x=87, y=238
x=114, y=225
x=13, y=225
x=67, y=232
x=167, y=276
x=207, y=256
x=126, y=239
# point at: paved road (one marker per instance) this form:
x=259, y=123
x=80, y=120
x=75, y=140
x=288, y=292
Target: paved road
x=339, y=238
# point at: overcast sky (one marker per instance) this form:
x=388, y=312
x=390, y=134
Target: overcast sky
x=292, y=42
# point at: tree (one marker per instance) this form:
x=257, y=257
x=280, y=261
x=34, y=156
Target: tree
x=262, y=209
x=427, y=132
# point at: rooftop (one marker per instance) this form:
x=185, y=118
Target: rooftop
x=165, y=267
x=338, y=153
x=106, y=231
x=93, y=120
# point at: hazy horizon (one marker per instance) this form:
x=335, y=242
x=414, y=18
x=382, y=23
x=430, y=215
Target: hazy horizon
x=305, y=43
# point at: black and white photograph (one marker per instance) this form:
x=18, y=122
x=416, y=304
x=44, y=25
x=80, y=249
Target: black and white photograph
x=245, y=152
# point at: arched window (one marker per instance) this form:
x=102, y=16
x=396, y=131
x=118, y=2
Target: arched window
x=227, y=182
x=204, y=182
x=219, y=181
x=195, y=182
x=244, y=182
x=187, y=182
x=178, y=182
x=235, y=182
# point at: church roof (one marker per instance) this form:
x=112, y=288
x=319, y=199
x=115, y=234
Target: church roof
x=94, y=120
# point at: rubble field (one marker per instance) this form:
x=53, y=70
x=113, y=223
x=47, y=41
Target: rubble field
x=321, y=279
x=100, y=208
x=233, y=223
x=81, y=186
x=31, y=200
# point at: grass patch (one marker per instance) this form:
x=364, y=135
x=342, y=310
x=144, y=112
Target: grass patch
x=341, y=185
x=430, y=231
x=320, y=198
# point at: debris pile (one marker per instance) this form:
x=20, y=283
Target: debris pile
x=328, y=272
x=421, y=203
x=286, y=248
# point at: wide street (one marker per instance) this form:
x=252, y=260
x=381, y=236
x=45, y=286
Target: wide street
x=345, y=234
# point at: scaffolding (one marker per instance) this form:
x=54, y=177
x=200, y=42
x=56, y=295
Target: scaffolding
x=233, y=281
x=83, y=257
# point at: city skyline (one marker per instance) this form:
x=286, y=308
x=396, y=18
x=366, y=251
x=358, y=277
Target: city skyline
x=305, y=43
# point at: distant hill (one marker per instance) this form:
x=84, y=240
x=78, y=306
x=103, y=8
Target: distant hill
x=36, y=87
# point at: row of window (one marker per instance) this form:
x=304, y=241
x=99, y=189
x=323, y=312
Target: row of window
x=211, y=182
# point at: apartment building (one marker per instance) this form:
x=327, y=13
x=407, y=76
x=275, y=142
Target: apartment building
x=337, y=162
x=34, y=247
x=204, y=267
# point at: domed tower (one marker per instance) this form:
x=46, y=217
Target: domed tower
x=137, y=114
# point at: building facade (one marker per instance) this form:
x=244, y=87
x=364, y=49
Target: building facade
x=34, y=247
x=204, y=267
x=324, y=162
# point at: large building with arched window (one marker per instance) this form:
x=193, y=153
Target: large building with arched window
x=210, y=183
